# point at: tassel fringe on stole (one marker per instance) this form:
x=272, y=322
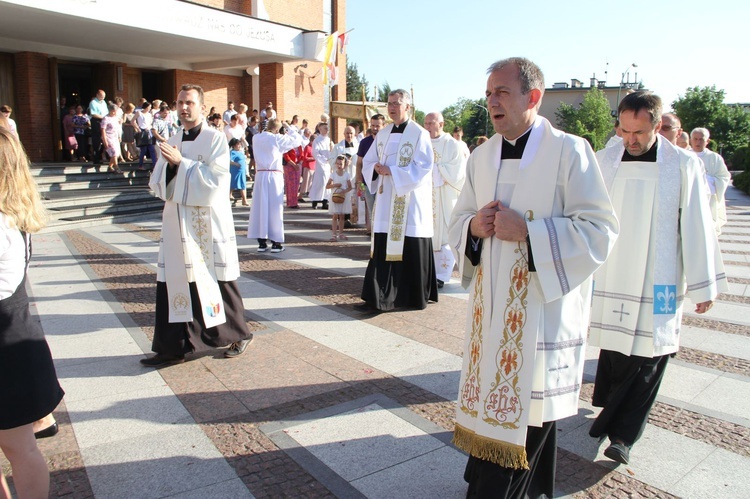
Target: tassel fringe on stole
x=501, y=453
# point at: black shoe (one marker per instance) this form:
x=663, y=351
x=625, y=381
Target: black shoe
x=440, y=284
x=277, y=248
x=619, y=452
x=160, y=360
x=49, y=431
x=365, y=308
x=325, y=205
x=314, y=204
x=348, y=224
x=262, y=248
x=237, y=348
x=300, y=200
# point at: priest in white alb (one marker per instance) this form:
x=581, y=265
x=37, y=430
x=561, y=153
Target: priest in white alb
x=717, y=175
x=667, y=250
x=532, y=224
x=198, y=302
x=398, y=170
x=448, y=175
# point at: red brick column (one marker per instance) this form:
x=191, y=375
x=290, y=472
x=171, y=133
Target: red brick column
x=33, y=107
x=271, y=87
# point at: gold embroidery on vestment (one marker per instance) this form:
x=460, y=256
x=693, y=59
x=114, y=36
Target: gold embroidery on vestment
x=470, y=390
x=200, y=228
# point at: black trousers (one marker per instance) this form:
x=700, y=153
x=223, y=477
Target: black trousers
x=626, y=388
x=410, y=283
x=96, y=141
x=178, y=338
x=488, y=480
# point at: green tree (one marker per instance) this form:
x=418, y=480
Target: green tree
x=354, y=83
x=705, y=107
x=591, y=120
x=471, y=116
x=383, y=92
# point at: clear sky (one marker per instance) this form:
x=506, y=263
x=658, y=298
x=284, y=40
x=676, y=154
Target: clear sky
x=443, y=48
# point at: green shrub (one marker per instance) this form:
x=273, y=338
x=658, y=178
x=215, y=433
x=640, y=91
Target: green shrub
x=741, y=159
x=742, y=181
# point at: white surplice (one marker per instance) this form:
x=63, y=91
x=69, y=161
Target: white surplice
x=267, y=206
x=448, y=175
x=718, y=178
x=197, y=216
x=558, y=189
x=659, y=256
x=414, y=179
x=322, y=153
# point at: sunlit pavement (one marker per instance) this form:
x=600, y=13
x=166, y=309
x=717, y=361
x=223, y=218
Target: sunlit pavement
x=327, y=402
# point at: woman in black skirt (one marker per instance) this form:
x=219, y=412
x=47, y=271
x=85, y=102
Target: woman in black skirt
x=29, y=389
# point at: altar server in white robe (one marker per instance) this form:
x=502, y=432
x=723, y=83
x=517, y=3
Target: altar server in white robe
x=532, y=224
x=667, y=249
x=322, y=153
x=267, y=206
x=198, y=303
x=448, y=175
x=398, y=170
x=717, y=175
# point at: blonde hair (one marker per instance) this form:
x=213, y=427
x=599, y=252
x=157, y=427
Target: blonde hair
x=19, y=196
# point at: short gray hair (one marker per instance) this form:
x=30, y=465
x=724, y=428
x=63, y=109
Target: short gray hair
x=403, y=95
x=703, y=131
x=529, y=74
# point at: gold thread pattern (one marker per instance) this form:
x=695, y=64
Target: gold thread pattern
x=470, y=390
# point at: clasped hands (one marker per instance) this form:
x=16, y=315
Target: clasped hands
x=382, y=169
x=171, y=154
x=498, y=220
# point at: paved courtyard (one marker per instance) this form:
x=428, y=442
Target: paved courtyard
x=328, y=403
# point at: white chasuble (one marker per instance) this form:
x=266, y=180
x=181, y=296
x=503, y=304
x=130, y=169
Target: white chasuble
x=448, y=175
x=198, y=241
x=403, y=199
x=666, y=247
x=524, y=347
x=718, y=178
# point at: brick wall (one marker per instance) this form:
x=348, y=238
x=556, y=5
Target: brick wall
x=306, y=15
x=218, y=89
x=33, y=104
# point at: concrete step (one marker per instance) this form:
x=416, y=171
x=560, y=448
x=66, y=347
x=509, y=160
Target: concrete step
x=145, y=202
x=61, y=199
x=74, y=167
x=93, y=181
x=80, y=222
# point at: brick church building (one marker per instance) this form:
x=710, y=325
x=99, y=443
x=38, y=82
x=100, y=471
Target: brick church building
x=251, y=51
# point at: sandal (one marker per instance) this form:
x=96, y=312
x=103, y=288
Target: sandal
x=343, y=237
x=333, y=238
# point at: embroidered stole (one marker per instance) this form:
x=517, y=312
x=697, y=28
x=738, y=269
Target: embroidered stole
x=666, y=297
x=398, y=157
x=187, y=244
x=495, y=402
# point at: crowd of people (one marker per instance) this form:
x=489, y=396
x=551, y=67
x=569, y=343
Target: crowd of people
x=531, y=217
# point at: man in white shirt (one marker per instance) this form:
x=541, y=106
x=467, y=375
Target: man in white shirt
x=229, y=113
